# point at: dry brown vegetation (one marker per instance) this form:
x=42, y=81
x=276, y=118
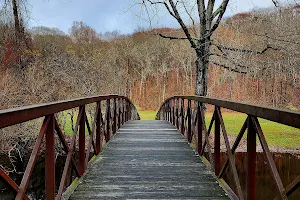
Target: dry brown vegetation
x=255, y=58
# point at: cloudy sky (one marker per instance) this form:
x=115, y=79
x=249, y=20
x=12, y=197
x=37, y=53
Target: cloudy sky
x=110, y=15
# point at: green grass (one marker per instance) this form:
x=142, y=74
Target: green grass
x=277, y=135
x=147, y=114
x=66, y=120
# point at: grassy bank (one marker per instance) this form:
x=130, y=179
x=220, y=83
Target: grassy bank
x=277, y=135
x=147, y=114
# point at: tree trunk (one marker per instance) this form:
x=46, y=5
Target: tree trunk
x=202, y=63
x=17, y=21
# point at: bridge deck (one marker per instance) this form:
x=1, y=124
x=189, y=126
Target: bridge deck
x=148, y=160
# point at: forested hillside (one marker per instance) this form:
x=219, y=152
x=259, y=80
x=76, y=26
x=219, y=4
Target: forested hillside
x=255, y=59
x=251, y=57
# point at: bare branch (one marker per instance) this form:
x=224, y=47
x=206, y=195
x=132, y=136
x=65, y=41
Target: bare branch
x=183, y=26
x=174, y=38
x=148, y=15
x=219, y=12
x=276, y=3
x=202, y=17
x=228, y=68
x=278, y=39
x=191, y=18
x=224, y=56
x=222, y=47
x=209, y=12
x=163, y=3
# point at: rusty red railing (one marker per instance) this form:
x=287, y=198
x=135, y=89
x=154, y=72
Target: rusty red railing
x=122, y=111
x=191, y=123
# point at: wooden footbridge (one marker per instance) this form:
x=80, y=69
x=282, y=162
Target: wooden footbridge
x=114, y=155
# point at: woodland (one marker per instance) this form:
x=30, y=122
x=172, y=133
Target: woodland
x=254, y=58
x=250, y=57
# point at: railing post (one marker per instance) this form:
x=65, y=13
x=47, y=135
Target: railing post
x=130, y=110
x=127, y=111
x=173, y=112
x=81, y=142
x=50, y=160
x=115, y=116
x=189, y=118
x=177, y=117
x=251, y=161
x=217, y=155
x=123, y=113
x=182, y=116
x=119, y=113
x=199, y=129
x=170, y=111
x=107, y=120
x=165, y=111
x=98, y=129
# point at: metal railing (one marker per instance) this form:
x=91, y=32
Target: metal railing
x=191, y=123
x=122, y=111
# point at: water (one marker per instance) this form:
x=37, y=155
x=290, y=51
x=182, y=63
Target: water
x=288, y=166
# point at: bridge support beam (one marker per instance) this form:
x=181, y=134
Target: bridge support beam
x=167, y=111
x=123, y=111
x=182, y=116
x=128, y=113
x=119, y=112
x=115, y=116
x=107, y=138
x=173, y=112
x=82, y=142
x=98, y=129
x=217, y=144
x=50, y=159
x=189, y=119
x=177, y=117
x=251, y=161
x=199, y=129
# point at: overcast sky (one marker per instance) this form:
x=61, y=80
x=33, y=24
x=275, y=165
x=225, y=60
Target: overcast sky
x=110, y=15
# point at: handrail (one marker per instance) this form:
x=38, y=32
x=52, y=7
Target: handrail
x=174, y=110
x=17, y=115
x=286, y=117
x=122, y=111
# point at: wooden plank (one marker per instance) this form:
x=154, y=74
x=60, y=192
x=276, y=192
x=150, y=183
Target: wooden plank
x=148, y=160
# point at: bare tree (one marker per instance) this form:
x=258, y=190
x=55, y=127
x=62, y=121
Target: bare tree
x=82, y=33
x=18, y=21
x=205, y=22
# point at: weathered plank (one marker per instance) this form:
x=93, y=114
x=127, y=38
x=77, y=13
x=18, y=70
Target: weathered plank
x=148, y=160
